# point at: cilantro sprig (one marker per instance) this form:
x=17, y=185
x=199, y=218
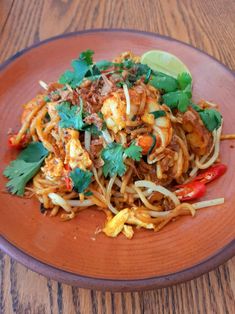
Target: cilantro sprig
x=81, y=179
x=113, y=157
x=211, y=118
x=177, y=93
x=70, y=115
x=24, y=168
x=82, y=67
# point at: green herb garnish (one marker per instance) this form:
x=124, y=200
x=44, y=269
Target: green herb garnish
x=24, y=168
x=112, y=156
x=81, y=179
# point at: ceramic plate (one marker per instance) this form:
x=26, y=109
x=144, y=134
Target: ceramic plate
x=71, y=252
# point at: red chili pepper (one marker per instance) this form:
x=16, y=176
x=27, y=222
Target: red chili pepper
x=68, y=181
x=190, y=191
x=211, y=173
x=67, y=167
x=22, y=143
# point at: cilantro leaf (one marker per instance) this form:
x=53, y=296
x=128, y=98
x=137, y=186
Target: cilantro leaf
x=184, y=79
x=103, y=65
x=81, y=179
x=158, y=113
x=88, y=193
x=27, y=164
x=165, y=82
x=112, y=156
x=81, y=67
x=70, y=115
x=177, y=100
x=134, y=152
x=87, y=56
x=66, y=77
x=92, y=128
x=211, y=118
x=196, y=107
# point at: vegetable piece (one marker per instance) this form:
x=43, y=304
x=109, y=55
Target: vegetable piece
x=112, y=156
x=87, y=56
x=180, y=99
x=27, y=164
x=81, y=179
x=134, y=152
x=163, y=61
x=23, y=142
x=211, y=118
x=60, y=201
x=177, y=100
x=211, y=173
x=68, y=184
x=81, y=67
x=147, y=142
x=184, y=80
x=190, y=191
x=165, y=82
x=103, y=65
x=71, y=116
x=158, y=113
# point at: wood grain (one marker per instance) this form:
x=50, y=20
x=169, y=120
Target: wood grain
x=207, y=25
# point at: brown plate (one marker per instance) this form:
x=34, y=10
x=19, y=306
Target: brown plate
x=71, y=252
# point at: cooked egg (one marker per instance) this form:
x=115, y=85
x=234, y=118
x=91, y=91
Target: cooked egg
x=76, y=156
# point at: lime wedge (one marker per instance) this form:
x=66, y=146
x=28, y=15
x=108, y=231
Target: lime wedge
x=165, y=62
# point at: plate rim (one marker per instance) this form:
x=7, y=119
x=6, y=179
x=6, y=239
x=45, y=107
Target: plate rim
x=87, y=282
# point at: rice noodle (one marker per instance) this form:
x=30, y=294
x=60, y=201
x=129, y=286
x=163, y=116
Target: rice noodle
x=158, y=214
x=128, y=101
x=109, y=194
x=98, y=180
x=214, y=202
x=227, y=137
x=43, y=84
x=59, y=200
x=84, y=203
x=107, y=137
x=87, y=141
x=145, y=201
x=204, y=158
x=158, y=188
x=215, y=155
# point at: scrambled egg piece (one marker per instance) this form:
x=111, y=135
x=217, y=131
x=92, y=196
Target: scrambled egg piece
x=76, y=156
x=114, y=112
x=118, y=224
x=53, y=168
x=114, y=226
x=128, y=231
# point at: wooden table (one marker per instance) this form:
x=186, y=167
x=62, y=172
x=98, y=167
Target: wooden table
x=208, y=25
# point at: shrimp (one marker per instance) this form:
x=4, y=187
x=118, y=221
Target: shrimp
x=198, y=137
x=114, y=112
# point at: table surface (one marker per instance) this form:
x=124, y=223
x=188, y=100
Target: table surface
x=208, y=25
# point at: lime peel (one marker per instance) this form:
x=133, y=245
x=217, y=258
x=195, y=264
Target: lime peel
x=163, y=61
